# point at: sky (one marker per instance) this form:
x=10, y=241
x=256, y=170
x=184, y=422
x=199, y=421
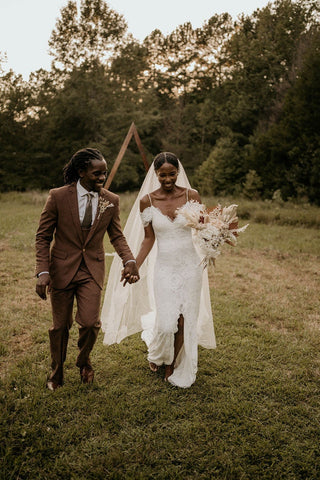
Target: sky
x=26, y=25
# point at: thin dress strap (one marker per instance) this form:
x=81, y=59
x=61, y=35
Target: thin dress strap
x=150, y=200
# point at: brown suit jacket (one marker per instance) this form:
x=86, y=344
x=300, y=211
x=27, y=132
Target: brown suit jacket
x=60, y=223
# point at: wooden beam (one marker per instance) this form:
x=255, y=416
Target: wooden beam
x=140, y=147
x=121, y=153
x=131, y=132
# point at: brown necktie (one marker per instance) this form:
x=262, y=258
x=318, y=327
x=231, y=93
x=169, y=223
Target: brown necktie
x=87, y=219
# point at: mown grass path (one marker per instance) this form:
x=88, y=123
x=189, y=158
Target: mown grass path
x=253, y=413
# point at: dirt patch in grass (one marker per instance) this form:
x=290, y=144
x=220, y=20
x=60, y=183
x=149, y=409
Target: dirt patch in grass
x=4, y=245
x=20, y=343
x=313, y=322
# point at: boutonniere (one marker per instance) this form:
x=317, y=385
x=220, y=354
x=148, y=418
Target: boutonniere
x=103, y=205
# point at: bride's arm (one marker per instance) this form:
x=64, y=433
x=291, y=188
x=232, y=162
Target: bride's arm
x=149, y=237
x=146, y=245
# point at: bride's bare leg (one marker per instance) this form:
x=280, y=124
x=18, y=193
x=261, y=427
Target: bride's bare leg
x=178, y=338
x=178, y=342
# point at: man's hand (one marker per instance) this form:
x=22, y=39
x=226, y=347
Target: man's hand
x=130, y=273
x=42, y=284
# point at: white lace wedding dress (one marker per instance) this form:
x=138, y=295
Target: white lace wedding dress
x=179, y=279
x=177, y=287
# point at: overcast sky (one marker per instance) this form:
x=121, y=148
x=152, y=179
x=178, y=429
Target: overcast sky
x=26, y=25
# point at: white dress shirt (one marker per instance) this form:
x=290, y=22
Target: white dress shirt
x=82, y=201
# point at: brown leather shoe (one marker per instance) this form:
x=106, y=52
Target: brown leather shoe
x=51, y=385
x=86, y=374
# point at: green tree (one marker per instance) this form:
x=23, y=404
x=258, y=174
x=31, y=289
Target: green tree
x=90, y=34
x=261, y=62
x=252, y=186
x=287, y=154
x=14, y=97
x=260, y=55
x=224, y=170
x=211, y=61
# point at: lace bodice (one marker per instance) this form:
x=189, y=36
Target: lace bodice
x=174, y=238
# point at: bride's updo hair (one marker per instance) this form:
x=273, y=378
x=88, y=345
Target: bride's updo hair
x=165, y=157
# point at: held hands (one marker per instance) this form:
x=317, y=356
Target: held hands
x=42, y=284
x=130, y=274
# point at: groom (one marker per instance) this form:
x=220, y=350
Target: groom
x=74, y=220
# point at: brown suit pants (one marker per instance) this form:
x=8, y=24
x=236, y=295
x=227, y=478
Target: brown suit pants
x=88, y=296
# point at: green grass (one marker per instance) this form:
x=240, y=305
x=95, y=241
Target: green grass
x=254, y=411
x=272, y=212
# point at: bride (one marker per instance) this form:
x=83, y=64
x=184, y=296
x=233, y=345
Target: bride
x=171, y=303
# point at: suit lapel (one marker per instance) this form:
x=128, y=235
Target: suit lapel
x=74, y=208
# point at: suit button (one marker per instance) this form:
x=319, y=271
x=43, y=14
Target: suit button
x=83, y=249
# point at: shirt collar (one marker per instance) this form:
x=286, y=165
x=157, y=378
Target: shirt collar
x=83, y=191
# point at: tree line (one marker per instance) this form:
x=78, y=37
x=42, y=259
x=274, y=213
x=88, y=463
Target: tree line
x=237, y=101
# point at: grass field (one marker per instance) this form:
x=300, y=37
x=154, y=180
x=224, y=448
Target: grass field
x=254, y=411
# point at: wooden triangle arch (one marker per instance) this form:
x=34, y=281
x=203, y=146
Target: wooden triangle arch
x=131, y=132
